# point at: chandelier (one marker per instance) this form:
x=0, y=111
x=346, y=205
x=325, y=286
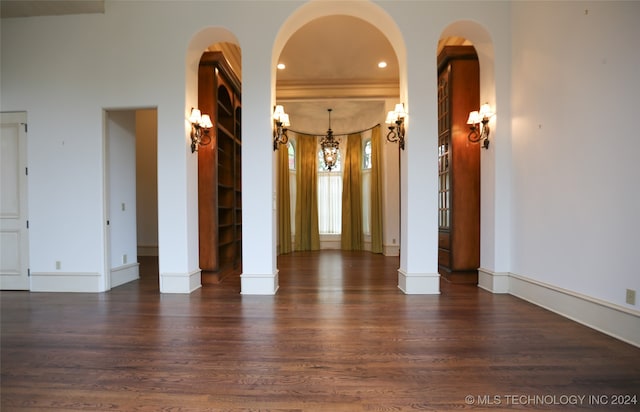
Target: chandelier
x=329, y=145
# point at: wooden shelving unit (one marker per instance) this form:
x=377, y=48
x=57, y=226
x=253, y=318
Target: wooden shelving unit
x=219, y=171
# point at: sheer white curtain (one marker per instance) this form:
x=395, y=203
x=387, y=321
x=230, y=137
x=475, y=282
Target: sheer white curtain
x=330, y=202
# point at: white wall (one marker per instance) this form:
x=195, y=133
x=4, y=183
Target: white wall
x=575, y=146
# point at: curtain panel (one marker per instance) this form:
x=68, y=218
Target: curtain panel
x=306, y=224
x=376, y=191
x=283, y=200
x=352, y=236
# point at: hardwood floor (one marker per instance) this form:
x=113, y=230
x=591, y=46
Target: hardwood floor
x=338, y=336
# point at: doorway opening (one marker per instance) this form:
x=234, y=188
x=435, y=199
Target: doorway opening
x=359, y=93
x=131, y=193
x=458, y=162
x=220, y=164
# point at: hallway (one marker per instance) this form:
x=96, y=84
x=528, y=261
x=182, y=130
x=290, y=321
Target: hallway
x=338, y=336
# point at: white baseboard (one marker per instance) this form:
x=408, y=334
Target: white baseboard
x=494, y=282
x=125, y=274
x=180, y=282
x=259, y=284
x=391, y=250
x=66, y=282
x=610, y=319
x=419, y=283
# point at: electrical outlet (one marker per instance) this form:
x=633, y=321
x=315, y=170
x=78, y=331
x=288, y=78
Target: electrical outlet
x=631, y=297
x=58, y=265
x=123, y=207
x=124, y=259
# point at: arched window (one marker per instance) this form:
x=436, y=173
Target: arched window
x=366, y=186
x=291, y=150
x=366, y=154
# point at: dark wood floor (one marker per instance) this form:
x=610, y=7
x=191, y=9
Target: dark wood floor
x=338, y=336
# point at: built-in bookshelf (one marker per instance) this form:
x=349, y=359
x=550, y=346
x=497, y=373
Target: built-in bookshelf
x=458, y=166
x=219, y=171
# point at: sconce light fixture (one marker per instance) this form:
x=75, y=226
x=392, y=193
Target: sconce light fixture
x=395, y=120
x=280, y=124
x=330, y=146
x=479, y=121
x=200, y=125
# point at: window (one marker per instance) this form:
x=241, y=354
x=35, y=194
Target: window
x=291, y=150
x=366, y=186
x=329, y=196
x=366, y=154
x=336, y=168
x=330, y=190
x=444, y=131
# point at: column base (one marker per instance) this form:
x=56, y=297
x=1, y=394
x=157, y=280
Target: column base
x=419, y=283
x=257, y=284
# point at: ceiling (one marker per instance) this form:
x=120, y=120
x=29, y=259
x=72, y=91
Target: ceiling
x=30, y=8
x=330, y=62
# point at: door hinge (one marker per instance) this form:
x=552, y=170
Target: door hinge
x=25, y=127
x=27, y=224
x=29, y=272
x=26, y=171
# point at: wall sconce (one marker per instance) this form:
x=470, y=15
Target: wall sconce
x=479, y=121
x=200, y=125
x=395, y=120
x=280, y=124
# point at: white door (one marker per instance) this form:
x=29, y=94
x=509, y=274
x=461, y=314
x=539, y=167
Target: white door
x=14, y=238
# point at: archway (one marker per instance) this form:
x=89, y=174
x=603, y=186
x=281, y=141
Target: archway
x=219, y=48
x=479, y=37
x=370, y=15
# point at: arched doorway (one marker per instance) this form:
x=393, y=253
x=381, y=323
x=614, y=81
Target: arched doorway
x=213, y=85
x=470, y=33
x=310, y=102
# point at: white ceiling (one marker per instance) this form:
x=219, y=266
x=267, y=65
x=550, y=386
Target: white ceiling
x=337, y=49
x=332, y=62
x=29, y=8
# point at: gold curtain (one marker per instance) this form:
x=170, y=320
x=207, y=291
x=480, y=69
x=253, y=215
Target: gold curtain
x=352, y=236
x=284, y=200
x=376, y=191
x=307, y=233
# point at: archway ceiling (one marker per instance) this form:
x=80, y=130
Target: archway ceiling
x=333, y=62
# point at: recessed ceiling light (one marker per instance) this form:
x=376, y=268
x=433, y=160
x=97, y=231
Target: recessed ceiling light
x=281, y=66
x=382, y=65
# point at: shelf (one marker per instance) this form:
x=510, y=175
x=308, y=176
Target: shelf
x=219, y=170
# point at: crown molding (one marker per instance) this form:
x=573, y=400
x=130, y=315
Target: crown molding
x=295, y=90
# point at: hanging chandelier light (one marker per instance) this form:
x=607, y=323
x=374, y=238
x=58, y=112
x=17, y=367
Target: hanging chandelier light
x=329, y=145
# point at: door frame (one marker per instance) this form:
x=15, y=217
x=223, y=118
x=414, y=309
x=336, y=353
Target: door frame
x=22, y=281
